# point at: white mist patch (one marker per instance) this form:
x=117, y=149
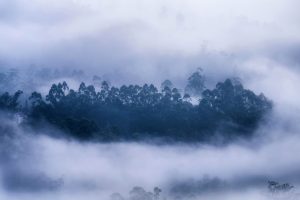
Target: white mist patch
x=148, y=165
x=94, y=171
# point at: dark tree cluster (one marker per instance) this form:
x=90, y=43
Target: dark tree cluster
x=139, y=193
x=275, y=187
x=133, y=112
x=10, y=102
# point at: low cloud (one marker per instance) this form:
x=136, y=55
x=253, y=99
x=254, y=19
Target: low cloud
x=149, y=41
x=126, y=40
x=38, y=166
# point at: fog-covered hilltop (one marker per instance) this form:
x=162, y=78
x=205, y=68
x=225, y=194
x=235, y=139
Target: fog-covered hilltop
x=134, y=112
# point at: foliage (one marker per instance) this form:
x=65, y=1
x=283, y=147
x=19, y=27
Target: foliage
x=134, y=112
x=275, y=187
x=139, y=193
x=10, y=102
x=196, y=83
x=166, y=83
x=140, y=112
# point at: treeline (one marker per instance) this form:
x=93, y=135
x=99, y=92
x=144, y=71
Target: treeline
x=133, y=112
x=139, y=193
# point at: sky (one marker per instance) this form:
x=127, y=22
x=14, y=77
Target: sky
x=162, y=39
x=143, y=41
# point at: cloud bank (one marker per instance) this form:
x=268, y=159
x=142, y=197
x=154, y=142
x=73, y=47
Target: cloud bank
x=127, y=40
x=35, y=167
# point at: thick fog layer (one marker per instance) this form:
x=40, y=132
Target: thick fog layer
x=138, y=41
x=148, y=41
x=35, y=167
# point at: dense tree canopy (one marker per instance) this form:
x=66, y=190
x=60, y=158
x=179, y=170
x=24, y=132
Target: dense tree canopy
x=133, y=112
x=10, y=102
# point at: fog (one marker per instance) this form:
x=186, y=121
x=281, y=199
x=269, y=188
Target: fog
x=148, y=41
x=35, y=166
x=140, y=41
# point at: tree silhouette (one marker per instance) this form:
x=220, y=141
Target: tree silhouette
x=196, y=83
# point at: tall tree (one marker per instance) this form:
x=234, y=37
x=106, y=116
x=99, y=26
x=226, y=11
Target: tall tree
x=196, y=83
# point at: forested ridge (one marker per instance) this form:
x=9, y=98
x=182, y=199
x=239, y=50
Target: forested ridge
x=134, y=112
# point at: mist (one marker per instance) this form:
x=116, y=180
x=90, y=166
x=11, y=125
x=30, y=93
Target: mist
x=35, y=166
x=137, y=42
x=133, y=42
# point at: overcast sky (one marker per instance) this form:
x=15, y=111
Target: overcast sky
x=96, y=32
x=149, y=40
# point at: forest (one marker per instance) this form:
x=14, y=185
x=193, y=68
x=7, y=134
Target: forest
x=144, y=112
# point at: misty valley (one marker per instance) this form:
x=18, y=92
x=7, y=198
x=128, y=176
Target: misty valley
x=149, y=100
x=62, y=140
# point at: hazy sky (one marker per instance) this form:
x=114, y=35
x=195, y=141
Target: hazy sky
x=138, y=41
x=158, y=38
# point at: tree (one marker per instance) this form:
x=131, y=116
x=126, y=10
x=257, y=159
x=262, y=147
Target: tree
x=176, y=96
x=136, y=112
x=166, y=83
x=196, y=83
x=116, y=196
x=157, y=192
x=275, y=187
x=56, y=93
x=36, y=99
x=138, y=193
x=10, y=102
x=233, y=104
